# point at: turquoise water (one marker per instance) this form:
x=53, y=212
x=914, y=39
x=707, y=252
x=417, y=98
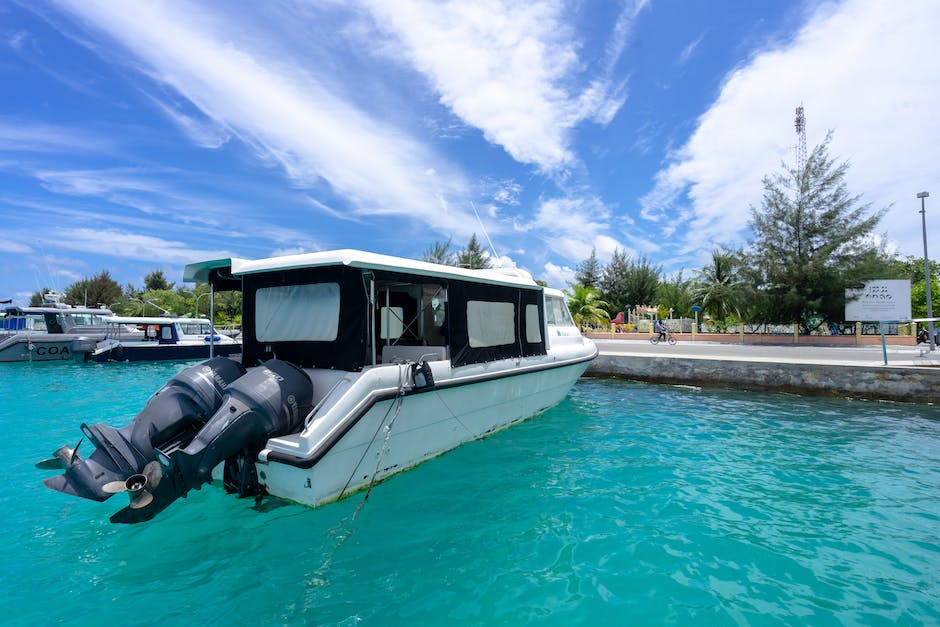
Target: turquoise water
x=626, y=504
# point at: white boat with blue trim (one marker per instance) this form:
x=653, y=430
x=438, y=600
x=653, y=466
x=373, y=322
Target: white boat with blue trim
x=139, y=338
x=354, y=367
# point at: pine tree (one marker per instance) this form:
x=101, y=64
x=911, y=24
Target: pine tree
x=157, y=281
x=812, y=240
x=99, y=289
x=440, y=252
x=627, y=283
x=473, y=257
x=589, y=271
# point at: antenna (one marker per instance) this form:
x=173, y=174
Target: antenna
x=487, y=236
x=55, y=287
x=800, y=124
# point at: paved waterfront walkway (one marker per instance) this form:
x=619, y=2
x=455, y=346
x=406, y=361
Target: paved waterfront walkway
x=898, y=356
x=911, y=374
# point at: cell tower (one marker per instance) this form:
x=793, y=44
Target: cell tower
x=800, y=123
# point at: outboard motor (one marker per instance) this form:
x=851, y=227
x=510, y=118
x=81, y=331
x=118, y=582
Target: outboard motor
x=172, y=415
x=271, y=400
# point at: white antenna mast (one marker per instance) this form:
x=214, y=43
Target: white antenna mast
x=487, y=236
x=42, y=251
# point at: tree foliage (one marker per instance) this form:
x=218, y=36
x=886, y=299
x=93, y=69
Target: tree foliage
x=156, y=281
x=720, y=289
x=586, y=305
x=589, y=271
x=473, y=257
x=676, y=294
x=912, y=268
x=812, y=240
x=440, y=252
x=627, y=283
x=99, y=289
x=38, y=298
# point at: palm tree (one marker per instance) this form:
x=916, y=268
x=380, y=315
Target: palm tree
x=720, y=289
x=586, y=306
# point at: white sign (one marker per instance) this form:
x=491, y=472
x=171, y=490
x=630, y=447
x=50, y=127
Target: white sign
x=882, y=300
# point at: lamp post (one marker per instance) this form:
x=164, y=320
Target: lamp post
x=923, y=222
x=197, y=302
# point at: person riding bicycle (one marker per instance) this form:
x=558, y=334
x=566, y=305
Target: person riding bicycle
x=922, y=336
x=661, y=329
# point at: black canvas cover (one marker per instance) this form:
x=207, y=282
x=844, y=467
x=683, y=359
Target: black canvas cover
x=461, y=292
x=346, y=352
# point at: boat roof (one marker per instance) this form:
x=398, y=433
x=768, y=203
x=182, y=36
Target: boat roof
x=202, y=272
x=150, y=320
x=20, y=311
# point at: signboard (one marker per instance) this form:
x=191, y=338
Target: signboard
x=881, y=300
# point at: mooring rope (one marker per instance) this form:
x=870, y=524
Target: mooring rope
x=340, y=529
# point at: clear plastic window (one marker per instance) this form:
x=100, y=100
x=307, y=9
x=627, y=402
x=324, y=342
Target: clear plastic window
x=297, y=313
x=490, y=324
x=533, y=332
x=391, y=323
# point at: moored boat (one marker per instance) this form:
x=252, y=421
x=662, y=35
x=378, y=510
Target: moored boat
x=132, y=338
x=354, y=366
x=51, y=332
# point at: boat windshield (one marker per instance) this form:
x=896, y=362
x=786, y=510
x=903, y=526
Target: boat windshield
x=194, y=328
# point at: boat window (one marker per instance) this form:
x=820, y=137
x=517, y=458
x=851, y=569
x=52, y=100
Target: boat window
x=533, y=332
x=556, y=312
x=166, y=333
x=194, y=328
x=490, y=324
x=304, y=313
x=391, y=322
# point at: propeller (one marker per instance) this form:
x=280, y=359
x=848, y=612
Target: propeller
x=62, y=458
x=135, y=485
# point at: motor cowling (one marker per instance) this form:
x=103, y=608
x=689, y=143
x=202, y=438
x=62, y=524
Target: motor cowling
x=271, y=400
x=175, y=413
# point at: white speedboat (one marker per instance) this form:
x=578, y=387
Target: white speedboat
x=134, y=338
x=354, y=366
x=52, y=332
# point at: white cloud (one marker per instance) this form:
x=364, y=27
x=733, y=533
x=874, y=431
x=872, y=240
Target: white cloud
x=559, y=277
x=572, y=226
x=98, y=182
x=507, y=68
x=287, y=115
x=204, y=133
x=18, y=136
x=14, y=247
x=864, y=68
x=125, y=245
x=690, y=49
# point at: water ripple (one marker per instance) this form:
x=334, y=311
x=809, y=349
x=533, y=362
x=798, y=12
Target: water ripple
x=628, y=503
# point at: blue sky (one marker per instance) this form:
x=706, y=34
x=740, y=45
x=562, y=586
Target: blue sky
x=146, y=135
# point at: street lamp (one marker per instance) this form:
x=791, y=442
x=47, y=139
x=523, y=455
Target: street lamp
x=923, y=222
x=197, y=302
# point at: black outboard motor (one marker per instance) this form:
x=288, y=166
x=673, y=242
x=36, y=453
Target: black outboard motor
x=173, y=415
x=271, y=400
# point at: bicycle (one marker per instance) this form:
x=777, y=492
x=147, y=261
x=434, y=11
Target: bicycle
x=654, y=339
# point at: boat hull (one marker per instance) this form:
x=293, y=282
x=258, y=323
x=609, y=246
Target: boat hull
x=426, y=424
x=39, y=347
x=162, y=352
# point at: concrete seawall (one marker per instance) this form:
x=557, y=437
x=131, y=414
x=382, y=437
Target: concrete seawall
x=800, y=375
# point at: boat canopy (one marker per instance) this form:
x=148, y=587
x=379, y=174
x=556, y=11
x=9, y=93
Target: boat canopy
x=150, y=320
x=25, y=311
x=216, y=272
x=220, y=270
